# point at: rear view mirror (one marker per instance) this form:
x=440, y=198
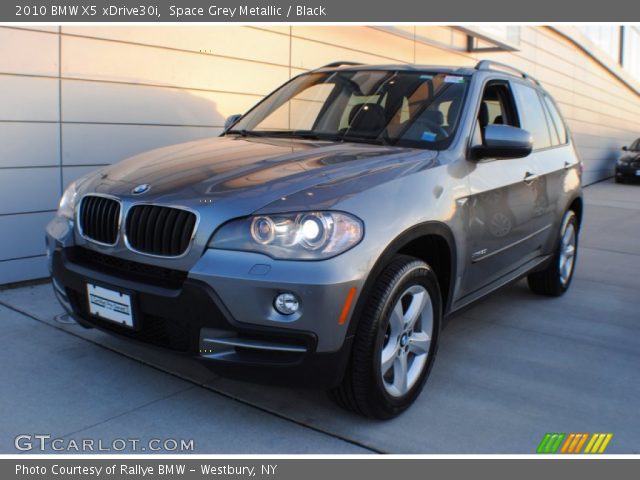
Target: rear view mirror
x=625, y=148
x=228, y=123
x=504, y=141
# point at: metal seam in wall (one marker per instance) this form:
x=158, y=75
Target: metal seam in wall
x=60, y=150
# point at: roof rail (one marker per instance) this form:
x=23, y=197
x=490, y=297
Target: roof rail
x=339, y=64
x=488, y=64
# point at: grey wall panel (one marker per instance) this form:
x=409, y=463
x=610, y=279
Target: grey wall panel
x=23, y=234
x=39, y=28
x=28, y=52
x=24, y=190
x=85, y=58
x=28, y=98
x=90, y=144
x=29, y=144
x=23, y=269
x=108, y=102
x=249, y=43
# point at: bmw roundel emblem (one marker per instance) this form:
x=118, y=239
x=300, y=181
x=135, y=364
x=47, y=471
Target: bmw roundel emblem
x=140, y=189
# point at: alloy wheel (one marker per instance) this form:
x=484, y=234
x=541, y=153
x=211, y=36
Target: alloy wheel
x=567, y=253
x=407, y=341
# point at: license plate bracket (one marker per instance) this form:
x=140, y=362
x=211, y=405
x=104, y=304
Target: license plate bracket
x=111, y=305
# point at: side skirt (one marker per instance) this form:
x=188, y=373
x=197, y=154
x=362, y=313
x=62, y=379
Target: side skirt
x=514, y=276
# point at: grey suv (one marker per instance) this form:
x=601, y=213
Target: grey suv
x=325, y=236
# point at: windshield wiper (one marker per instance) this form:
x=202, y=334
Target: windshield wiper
x=337, y=137
x=310, y=135
x=248, y=133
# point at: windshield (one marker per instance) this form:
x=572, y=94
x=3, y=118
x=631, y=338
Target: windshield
x=415, y=109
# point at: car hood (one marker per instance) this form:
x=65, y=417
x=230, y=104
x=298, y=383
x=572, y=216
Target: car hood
x=629, y=157
x=250, y=172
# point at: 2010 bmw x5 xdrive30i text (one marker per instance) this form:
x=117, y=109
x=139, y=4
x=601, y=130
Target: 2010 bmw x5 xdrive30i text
x=326, y=235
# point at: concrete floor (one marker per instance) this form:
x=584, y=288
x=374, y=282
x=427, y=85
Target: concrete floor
x=510, y=369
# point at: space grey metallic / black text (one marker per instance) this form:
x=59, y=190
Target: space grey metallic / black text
x=326, y=235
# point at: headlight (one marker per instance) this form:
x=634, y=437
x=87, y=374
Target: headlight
x=68, y=201
x=293, y=236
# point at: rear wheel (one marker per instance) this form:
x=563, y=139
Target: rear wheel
x=556, y=278
x=395, y=342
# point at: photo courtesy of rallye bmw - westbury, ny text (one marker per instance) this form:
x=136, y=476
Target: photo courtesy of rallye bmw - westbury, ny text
x=319, y=239
x=145, y=471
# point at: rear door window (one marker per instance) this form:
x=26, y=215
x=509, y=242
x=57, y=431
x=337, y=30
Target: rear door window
x=532, y=115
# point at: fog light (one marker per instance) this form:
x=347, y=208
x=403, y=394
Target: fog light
x=286, y=303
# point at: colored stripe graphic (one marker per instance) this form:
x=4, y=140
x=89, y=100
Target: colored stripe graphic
x=598, y=443
x=574, y=443
x=551, y=442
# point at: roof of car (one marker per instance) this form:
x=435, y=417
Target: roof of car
x=400, y=67
x=481, y=66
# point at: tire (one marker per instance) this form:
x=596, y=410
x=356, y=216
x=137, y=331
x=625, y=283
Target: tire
x=554, y=280
x=619, y=180
x=401, y=320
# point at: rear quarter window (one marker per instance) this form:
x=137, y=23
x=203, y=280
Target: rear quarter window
x=556, y=120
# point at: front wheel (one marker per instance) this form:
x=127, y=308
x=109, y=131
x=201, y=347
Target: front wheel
x=556, y=278
x=395, y=343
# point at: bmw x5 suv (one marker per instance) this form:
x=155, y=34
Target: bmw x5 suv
x=327, y=234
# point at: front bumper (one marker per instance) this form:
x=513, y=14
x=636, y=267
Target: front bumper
x=187, y=315
x=628, y=171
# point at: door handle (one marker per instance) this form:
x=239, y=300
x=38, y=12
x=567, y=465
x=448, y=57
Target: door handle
x=530, y=177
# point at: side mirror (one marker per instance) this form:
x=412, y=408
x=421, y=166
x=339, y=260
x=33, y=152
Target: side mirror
x=502, y=142
x=625, y=148
x=228, y=123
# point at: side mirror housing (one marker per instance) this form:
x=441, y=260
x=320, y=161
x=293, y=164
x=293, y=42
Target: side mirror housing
x=625, y=148
x=228, y=123
x=502, y=142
